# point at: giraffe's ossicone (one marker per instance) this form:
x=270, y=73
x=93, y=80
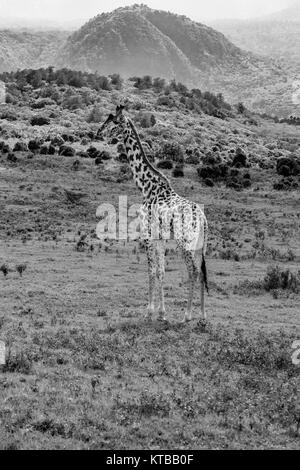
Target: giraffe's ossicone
x=164, y=215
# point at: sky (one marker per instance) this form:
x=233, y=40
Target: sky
x=69, y=10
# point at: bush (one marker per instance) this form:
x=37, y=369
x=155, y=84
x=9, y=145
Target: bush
x=47, y=150
x=178, y=172
x=67, y=151
x=12, y=158
x=291, y=163
x=57, y=141
x=147, y=120
x=34, y=145
x=165, y=165
x=39, y=121
x=4, y=148
x=279, y=279
x=96, y=115
x=171, y=151
x=286, y=184
x=284, y=170
x=240, y=159
x=209, y=182
x=20, y=147
x=165, y=101
x=192, y=160
x=104, y=155
x=116, y=81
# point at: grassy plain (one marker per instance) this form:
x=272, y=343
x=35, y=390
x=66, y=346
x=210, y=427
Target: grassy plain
x=86, y=371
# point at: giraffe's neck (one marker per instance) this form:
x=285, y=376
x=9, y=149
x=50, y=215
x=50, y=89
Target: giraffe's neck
x=147, y=178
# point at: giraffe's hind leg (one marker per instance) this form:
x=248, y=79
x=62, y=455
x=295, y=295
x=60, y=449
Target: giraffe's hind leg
x=202, y=286
x=152, y=260
x=193, y=275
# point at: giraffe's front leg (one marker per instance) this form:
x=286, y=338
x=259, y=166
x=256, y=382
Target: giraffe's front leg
x=151, y=255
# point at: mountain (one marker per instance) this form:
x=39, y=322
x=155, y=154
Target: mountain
x=24, y=49
x=292, y=13
x=276, y=35
x=138, y=40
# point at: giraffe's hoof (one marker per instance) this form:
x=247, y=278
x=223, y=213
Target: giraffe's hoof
x=162, y=318
x=202, y=324
x=186, y=319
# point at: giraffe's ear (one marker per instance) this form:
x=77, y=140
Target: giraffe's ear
x=120, y=109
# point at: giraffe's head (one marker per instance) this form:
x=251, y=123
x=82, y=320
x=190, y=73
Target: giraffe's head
x=114, y=124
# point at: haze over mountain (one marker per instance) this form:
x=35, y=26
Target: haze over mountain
x=276, y=35
x=291, y=13
x=25, y=49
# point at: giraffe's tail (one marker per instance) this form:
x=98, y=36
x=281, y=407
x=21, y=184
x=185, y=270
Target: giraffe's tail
x=204, y=272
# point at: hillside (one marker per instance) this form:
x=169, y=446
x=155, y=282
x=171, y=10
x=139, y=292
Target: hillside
x=24, y=49
x=276, y=35
x=138, y=40
x=278, y=39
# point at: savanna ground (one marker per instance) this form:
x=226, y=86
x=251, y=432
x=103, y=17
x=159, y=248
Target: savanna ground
x=85, y=370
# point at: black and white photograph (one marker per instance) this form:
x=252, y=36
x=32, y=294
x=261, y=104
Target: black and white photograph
x=149, y=228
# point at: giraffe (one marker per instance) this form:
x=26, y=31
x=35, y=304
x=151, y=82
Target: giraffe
x=163, y=214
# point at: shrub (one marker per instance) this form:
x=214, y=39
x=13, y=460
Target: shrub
x=240, y=159
x=19, y=362
x=4, y=148
x=209, y=182
x=171, y=151
x=95, y=115
x=4, y=269
x=165, y=101
x=165, y=165
x=40, y=121
x=116, y=81
x=57, y=141
x=284, y=170
x=98, y=161
x=20, y=147
x=34, y=145
x=279, y=279
x=286, y=184
x=192, y=160
x=178, y=172
x=291, y=163
x=12, y=158
x=67, y=151
x=21, y=268
x=147, y=120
